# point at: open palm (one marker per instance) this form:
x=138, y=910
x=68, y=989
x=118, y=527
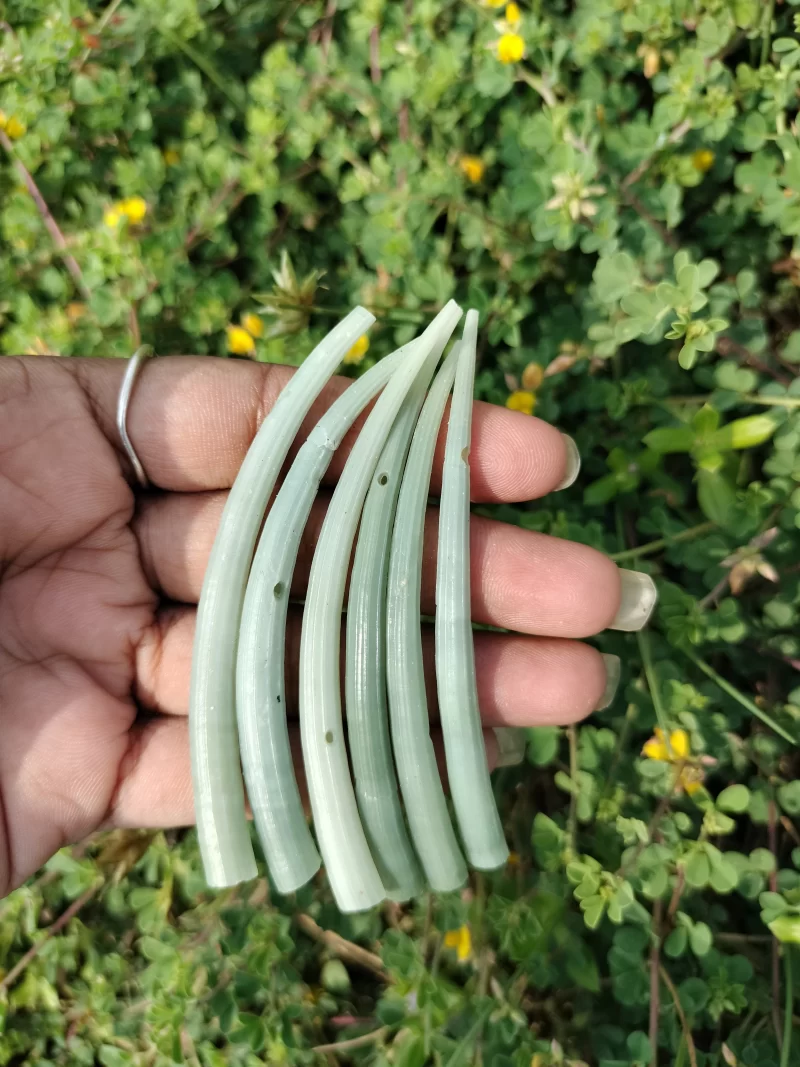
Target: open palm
x=98, y=584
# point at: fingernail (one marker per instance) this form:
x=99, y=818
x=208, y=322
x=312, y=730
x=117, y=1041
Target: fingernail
x=573, y=463
x=613, y=666
x=511, y=744
x=638, y=599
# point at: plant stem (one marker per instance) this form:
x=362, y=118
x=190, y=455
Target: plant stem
x=745, y=701
x=355, y=1042
x=766, y=32
x=204, y=64
x=655, y=994
x=787, y=1010
x=47, y=218
x=664, y=542
x=104, y=20
x=345, y=950
x=51, y=931
x=687, y=1033
x=572, y=820
x=773, y=401
x=643, y=639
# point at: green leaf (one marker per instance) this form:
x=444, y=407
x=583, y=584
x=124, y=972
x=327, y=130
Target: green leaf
x=670, y=440
x=697, y=870
x=694, y=995
x=701, y=939
x=789, y=797
x=249, y=1030
x=715, y=496
x=408, y=1050
x=614, y=276
x=786, y=928
x=677, y=942
x=543, y=744
x=735, y=798
x=593, y=915
x=334, y=977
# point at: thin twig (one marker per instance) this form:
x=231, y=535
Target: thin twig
x=355, y=1042
x=634, y=202
x=710, y=599
x=47, y=218
x=539, y=85
x=51, y=931
x=772, y=835
x=374, y=55
x=643, y=639
x=105, y=18
x=744, y=939
x=687, y=1033
x=655, y=994
x=675, y=900
x=572, y=818
x=343, y=948
x=638, y=172
x=726, y=346
x=664, y=542
x=766, y=32
x=789, y=1003
x=327, y=30
x=745, y=701
x=213, y=207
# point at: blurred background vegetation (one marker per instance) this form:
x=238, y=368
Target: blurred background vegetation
x=615, y=185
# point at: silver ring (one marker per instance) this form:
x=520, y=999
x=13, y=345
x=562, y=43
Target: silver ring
x=126, y=389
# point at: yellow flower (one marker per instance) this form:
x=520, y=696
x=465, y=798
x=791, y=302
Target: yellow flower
x=513, y=14
x=134, y=208
x=495, y=3
x=510, y=48
x=652, y=60
x=3, y=120
x=240, y=343
x=355, y=354
x=253, y=324
x=14, y=128
x=111, y=217
x=703, y=159
x=461, y=941
x=171, y=157
x=532, y=377
x=522, y=400
x=676, y=750
x=472, y=167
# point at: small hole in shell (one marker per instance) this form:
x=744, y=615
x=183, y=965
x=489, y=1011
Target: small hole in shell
x=278, y=590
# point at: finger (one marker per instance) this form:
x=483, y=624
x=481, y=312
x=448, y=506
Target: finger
x=191, y=421
x=522, y=681
x=521, y=580
x=155, y=789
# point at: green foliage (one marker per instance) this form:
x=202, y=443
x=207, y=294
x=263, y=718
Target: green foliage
x=632, y=228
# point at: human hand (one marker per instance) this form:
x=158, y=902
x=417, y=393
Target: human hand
x=99, y=582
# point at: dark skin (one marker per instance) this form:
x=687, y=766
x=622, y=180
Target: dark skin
x=99, y=582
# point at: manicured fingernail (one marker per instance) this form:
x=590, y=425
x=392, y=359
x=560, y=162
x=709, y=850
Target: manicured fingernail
x=613, y=670
x=573, y=463
x=638, y=599
x=511, y=744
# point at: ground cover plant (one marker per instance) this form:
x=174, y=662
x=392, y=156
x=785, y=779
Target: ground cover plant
x=615, y=186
